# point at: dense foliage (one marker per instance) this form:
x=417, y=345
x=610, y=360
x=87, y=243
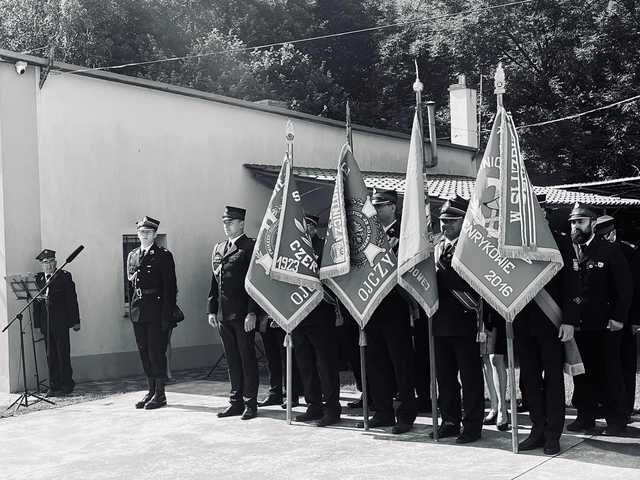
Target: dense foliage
x=561, y=57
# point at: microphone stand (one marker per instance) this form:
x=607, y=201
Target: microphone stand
x=25, y=395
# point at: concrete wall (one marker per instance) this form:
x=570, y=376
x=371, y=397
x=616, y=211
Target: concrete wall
x=93, y=154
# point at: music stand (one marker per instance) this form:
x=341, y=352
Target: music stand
x=24, y=287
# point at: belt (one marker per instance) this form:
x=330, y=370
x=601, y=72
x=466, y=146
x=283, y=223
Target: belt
x=146, y=291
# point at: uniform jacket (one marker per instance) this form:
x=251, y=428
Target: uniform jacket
x=61, y=303
x=632, y=254
x=324, y=313
x=228, y=298
x=602, y=286
x=452, y=318
x=532, y=319
x=152, y=286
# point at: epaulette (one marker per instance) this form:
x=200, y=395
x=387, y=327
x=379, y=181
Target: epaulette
x=629, y=244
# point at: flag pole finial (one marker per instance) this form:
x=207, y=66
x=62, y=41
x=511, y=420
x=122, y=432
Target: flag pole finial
x=348, y=126
x=418, y=86
x=499, y=83
x=289, y=136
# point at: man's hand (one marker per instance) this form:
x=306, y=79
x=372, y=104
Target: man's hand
x=76, y=327
x=565, y=333
x=213, y=321
x=249, y=322
x=614, y=326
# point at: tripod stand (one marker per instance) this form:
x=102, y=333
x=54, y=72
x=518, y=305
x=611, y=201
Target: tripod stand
x=22, y=285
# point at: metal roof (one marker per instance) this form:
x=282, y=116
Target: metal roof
x=628, y=187
x=443, y=186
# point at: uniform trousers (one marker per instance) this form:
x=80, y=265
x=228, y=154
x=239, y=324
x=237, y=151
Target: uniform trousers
x=460, y=354
x=152, y=343
x=275, y=351
x=542, y=381
x=59, y=358
x=315, y=348
x=240, y=350
x=629, y=350
x=389, y=356
x=422, y=373
x=603, y=378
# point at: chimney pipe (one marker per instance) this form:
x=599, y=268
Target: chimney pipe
x=431, y=111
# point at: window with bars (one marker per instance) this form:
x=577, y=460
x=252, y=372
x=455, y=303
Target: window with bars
x=130, y=242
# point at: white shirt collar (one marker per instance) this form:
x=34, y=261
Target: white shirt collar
x=232, y=241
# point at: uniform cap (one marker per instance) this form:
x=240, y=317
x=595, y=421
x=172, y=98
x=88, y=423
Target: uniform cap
x=581, y=211
x=384, y=197
x=454, y=208
x=148, y=222
x=233, y=213
x=46, y=254
x=604, y=225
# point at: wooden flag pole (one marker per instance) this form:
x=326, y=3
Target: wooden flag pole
x=499, y=83
x=348, y=128
x=418, y=86
x=290, y=135
x=288, y=344
x=362, y=341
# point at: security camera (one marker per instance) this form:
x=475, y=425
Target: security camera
x=21, y=67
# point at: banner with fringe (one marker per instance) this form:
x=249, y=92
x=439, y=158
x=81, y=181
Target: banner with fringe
x=283, y=273
x=506, y=283
x=416, y=265
x=358, y=264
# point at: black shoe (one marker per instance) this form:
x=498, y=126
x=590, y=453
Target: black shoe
x=447, y=430
x=522, y=407
x=159, y=398
x=52, y=392
x=551, y=447
x=295, y=402
x=231, y=411
x=357, y=404
x=400, y=428
x=532, y=442
x=465, y=437
x=490, y=419
x=328, y=419
x=503, y=427
x=310, y=415
x=249, y=413
x=67, y=390
x=614, y=430
x=270, y=400
x=146, y=399
x=379, y=422
x=579, y=425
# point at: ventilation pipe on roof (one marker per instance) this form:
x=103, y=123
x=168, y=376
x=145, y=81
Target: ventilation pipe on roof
x=431, y=112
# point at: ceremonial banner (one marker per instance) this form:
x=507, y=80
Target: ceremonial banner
x=416, y=266
x=283, y=250
x=507, y=283
x=371, y=268
x=524, y=232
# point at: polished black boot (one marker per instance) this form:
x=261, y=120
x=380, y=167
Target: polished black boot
x=149, y=395
x=159, y=398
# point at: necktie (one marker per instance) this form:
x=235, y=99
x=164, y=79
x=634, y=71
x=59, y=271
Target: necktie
x=580, y=252
x=227, y=247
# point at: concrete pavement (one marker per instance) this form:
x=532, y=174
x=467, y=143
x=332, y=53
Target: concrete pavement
x=109, y=439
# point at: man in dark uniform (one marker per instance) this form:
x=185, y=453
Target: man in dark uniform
x=152, y=292
x=455, y=328
x=541, y=354
x=233, y=312
x=315, y=347
x=603, y=294
x=389, y=349
x=605, y=227
x=55, y=314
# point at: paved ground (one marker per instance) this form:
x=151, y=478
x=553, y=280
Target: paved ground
x=108, y=439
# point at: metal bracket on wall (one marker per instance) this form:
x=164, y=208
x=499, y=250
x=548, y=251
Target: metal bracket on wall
x=44, y=72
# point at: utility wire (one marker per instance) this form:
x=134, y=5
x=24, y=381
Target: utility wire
x=301, y=40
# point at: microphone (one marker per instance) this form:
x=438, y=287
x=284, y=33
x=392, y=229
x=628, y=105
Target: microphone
x=74, y=254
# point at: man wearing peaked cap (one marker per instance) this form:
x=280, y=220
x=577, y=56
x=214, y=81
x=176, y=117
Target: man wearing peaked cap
x=606, y=227
x=55, y=314
x=601, y=295
x=455, y=328
x=152, y=299
x=389, y=349
x=233, y=312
